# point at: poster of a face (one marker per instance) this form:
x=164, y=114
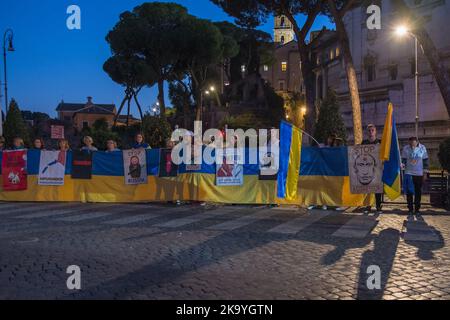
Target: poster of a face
x=229, y=172
x=135, y=165
x=365, y=169
x=267, y=166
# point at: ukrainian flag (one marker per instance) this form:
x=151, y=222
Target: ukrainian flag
x=290, y=157
x=390, y=154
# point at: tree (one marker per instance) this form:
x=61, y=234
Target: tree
x=14, y=125
x=152, y=32
x=181, y=98
x=156, y=131
x=101, y=133
x=330, y=119
x=202, y=48
x=252, y=13
x=337, y=10
x=437, y=64
x=133, y=73
x=444, y=154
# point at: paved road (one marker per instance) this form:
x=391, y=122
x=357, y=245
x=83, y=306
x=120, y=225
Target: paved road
x=156, y=251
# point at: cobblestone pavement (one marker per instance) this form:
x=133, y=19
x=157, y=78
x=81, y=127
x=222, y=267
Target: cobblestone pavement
x=159, y=251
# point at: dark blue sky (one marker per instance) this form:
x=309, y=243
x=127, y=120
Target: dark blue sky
x=52, y=63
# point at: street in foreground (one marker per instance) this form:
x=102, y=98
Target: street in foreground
x=159, y=251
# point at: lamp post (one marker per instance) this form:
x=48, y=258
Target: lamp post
x=8, y=36
x=402, y=31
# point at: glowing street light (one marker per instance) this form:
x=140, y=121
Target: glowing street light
x=212, y=89
x=401, y=30
x=303, y=110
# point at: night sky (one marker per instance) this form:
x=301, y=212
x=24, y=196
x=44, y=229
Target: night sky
x=52, y=63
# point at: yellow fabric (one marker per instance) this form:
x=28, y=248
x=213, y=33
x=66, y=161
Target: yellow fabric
x=312, y=190
x=387, y=135
x=395, y=191
x=294, y=164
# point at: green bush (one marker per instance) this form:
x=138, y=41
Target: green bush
x=156, y=131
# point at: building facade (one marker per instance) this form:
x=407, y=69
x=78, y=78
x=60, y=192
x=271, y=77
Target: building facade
x=385, y=68
x=83, y=115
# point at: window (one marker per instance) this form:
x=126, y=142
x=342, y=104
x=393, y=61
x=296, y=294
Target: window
x=282, y=39
x=332, y=54
x=284, y=66
x=282, y=22
x=243, y=68
x=393, y=72
x=370, y=72
x=338, y=52
x=85, y=124
x=281, y=85
x=266, y=67
x=67, y=118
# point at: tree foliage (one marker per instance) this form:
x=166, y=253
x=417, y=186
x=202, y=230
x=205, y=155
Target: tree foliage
x=14, y=125
x=156, y=131
x=100, y=133
x=330, y=119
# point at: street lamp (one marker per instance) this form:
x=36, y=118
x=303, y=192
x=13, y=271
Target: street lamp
x=401, y=31
x=7, y=37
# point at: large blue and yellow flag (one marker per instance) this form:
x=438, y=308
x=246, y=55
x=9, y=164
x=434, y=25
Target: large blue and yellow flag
x=390, y=154
x=290, y=158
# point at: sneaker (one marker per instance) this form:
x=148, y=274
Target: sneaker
x=341, y=209
x=410, y=215
x=324, y=207
x=379, y=211
x=311, y=207
x=367, y=210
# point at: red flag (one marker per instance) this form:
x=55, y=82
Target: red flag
x=14, y=170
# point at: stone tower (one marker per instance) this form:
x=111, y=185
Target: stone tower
x=284, y=31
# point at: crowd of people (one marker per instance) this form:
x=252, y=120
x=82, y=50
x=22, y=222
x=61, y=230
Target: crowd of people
x=414, y=158
x=63, y=144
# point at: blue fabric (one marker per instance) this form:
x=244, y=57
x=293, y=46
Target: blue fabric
x=392, y=167
x=285, y=150
x=315, y=162
x=408, y=184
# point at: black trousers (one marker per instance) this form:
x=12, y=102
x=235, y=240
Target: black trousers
x=414, y=200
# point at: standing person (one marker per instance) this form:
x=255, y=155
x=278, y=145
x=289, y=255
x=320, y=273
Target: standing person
x=88, y=144
x=2, y=144
x=63, y=145
x=139, y=142
x=415, y=162
x=18, y=144
x=372, y=139
x=38, y=144
x=111, y=146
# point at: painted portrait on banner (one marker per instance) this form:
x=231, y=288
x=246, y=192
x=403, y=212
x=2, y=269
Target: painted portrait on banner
x=52, y=168
x=230, y=172
x=268, y=169
x=365, y=169
x=135, y=166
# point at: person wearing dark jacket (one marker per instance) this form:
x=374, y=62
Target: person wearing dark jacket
x=372, y=139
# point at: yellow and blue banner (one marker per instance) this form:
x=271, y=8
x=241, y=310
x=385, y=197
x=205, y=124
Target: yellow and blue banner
x=390, y=154
x=323, y=177
x=290, y=160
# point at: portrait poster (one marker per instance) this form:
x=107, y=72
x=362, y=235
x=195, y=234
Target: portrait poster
x=365, y=169
x=135, y=166
x=166, y=166
x=52, y=168
x=267, y=167
x=14, y=170
x=231, y=171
